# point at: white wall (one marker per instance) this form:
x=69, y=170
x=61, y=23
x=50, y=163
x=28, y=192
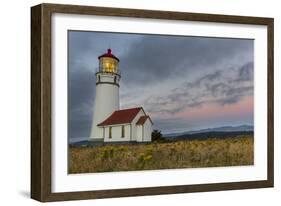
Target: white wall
x=134, y=127
x=139, y=133
x=15, y=103
x=116, y=134
x=144, y=132
x=147, y=131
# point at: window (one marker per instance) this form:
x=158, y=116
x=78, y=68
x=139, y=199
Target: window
x=109, y=65
x=110, y=132
x=115, y=80
x=123, y=131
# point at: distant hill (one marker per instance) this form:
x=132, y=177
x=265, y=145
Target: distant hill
x=241, y=128
x=209, y=135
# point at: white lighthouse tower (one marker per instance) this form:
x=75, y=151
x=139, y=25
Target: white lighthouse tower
x=107, y=92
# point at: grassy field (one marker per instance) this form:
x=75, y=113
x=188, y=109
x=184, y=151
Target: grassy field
x=166, y=155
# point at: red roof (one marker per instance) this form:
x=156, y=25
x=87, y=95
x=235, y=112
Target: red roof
x=109, y=54
x=142, y=120
x=121, y=117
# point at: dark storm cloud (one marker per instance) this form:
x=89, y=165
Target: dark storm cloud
x=79, y=128
x=219, y=87
x=246, y=72
x=153, y=58
x=85, y=47
x=81, y=96
x=81, y=88
x=80, y=44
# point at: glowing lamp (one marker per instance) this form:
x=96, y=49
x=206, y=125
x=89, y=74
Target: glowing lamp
x=108, y=63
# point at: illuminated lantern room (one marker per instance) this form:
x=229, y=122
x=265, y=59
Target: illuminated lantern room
x=108, y=63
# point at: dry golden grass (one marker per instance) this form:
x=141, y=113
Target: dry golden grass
x=180, y=154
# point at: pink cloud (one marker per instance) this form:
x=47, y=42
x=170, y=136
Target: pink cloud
x=243, y=107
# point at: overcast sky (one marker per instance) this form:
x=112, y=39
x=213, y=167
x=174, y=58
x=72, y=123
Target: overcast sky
x=184, y=83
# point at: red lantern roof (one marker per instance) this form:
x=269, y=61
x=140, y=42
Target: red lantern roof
x=109, y=54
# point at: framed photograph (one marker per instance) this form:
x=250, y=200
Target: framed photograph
x=130, y=102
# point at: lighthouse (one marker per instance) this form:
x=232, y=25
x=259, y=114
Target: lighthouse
x=110, y=123
x=107, y=91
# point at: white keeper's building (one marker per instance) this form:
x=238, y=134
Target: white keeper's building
x=110, y=124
